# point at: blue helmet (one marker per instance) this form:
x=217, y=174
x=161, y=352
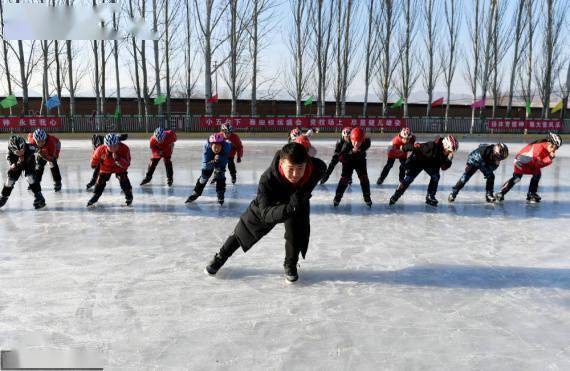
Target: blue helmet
x=40, y=135
x=111, y=139
x=159, y=134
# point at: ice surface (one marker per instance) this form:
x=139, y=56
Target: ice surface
x=463, y=286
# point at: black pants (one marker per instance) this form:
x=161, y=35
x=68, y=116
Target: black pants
x=232, y=167
x=153, y=162
x=388, y=167
x=219, y=177
x=14, y=175
x=54, y=168
x=102, y=180
x=412, y=171
x=95, y=174
x=346, y=175
x=297, y=233
x=532, y=187
x=469, y=171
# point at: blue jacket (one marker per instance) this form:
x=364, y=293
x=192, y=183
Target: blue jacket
x=208, y=157
x=483, y=158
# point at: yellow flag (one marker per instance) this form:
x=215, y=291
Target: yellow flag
x=557, y=107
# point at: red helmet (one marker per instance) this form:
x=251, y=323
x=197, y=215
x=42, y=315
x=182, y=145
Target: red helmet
x=450, y=143
x=295, y=133
x=357, y=135
x=306, y=142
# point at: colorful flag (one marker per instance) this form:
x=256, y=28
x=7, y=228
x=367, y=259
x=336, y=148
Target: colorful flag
x=478, y=104
x=557, y=107
x=398, y=103
x=527, y=107
x=9, y=101
x=160, y=99
x=308, y=101
x=117, y=112
x=52, y=102
x=437, y=102
x=213, y=99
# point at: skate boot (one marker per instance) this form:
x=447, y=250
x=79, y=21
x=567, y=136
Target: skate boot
x=128, y=198
x=533, y=197
x=291, y=272
x=500, y=196
x=39, y=201
x=193, y=197
x=215, y=264
x=92, y=201
x=452, y=196
x=57, y=187
x=146, y=180
x=368, y=201
x=234, y=179
x=431, y=200
x=490, y=198
x=380, y=181
x=90, y=185
x=336, y=200
x=221, y=199
x=3, y=200
x=169, y=182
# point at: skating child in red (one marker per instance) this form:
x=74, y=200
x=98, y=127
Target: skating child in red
x=162, y=146
x=237, y=149
x=48, y=148
x=395, y=153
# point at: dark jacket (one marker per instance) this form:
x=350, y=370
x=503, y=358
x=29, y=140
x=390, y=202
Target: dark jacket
x=427, y=155
x=484, y=159
x=347, y=156
x=270, y=206
x=29, y=162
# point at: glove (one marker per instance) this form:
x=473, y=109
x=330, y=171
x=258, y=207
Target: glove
x=239, y=160
x=115, y=156
x=296, y=201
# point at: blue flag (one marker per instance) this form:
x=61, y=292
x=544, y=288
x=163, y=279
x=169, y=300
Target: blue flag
x=52, y=102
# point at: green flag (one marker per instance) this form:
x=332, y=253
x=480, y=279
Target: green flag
x=117, y=112
x=9, y=101
x=398, y=103
x=527, y=107
x=160, y=99
x=309, y=101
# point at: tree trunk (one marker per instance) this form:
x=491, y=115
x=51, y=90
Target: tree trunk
x=156, y=56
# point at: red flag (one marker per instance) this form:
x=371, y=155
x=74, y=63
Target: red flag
x=478, y=104
x=214, y=99
x=438, y=102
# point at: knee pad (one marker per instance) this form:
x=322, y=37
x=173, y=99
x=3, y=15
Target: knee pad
x=516, y=179
x=202, y=180
x=10, y=182
x=52, y=164
x=31, y=179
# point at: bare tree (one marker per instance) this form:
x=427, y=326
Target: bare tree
x=449, y=53
x=136, y=65
x=500, y=46
x=519, y=28
x=322, y=23
x=526, y=73
x=488, y=56
x=189, y=58
x=370, y=57
x=167, y=22
x=407, y=66
x=298, y=42
x=551, y=49
x=431, y=70
x=5, y=53
x=146, y=96
x=155, y=16
x=116, y=58
x=209, y=16
x=386, y=25
x=473, y=64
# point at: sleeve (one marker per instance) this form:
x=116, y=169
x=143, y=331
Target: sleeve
x=96, y=158
x=239, y=146
x=124, y=160
x=271, y=214
x=366, y=144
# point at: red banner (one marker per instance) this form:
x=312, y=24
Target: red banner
x=30, y=122
x=306, y=122
x=502, y=124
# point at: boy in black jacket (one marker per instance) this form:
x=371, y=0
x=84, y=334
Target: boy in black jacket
x=282, y=197
x=344, y=137
x=21, y=158
x=353, y=158
x=428, y=157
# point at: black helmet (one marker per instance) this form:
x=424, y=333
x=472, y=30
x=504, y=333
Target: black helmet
x=16, y=143
x=501, y=150
x=96, y=140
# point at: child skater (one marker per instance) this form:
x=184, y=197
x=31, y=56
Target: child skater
x=344, y=137
x=162, y=146
x=48, y=148
x=394, y=153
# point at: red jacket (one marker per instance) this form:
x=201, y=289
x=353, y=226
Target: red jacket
x=394, y=150
x=112, y=163
x=237, y=147
x=165, y=148
x=51, y=148
x=532, y=158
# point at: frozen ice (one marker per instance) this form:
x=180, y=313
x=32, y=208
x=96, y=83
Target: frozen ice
x=467, y=285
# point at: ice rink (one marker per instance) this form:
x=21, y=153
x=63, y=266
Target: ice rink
x=467, y=285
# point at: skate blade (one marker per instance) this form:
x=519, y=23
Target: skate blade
x=209, y=274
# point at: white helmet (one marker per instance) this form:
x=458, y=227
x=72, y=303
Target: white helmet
x=450, y=143
x=111, y=139
x=554, y=139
